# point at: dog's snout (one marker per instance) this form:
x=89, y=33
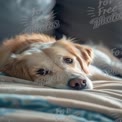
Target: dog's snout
x=77, y=84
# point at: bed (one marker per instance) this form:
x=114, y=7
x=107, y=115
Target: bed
x=22, y=101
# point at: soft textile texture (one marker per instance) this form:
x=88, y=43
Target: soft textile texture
x=24, y=102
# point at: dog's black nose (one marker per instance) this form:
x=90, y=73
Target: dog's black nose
x=77, y=84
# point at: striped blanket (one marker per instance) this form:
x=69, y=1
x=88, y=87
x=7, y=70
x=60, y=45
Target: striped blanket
x=22, y=101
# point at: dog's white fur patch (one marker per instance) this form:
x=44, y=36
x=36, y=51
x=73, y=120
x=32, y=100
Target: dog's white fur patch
x=37, y=47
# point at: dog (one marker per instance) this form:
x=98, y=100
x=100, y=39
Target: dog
x=59, y=64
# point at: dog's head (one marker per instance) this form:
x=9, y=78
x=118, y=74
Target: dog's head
x=62, y=65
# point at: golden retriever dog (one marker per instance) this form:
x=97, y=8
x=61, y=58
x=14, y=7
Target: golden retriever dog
x=58, y=64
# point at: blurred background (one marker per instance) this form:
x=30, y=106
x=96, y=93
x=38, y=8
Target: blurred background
x=99, y=21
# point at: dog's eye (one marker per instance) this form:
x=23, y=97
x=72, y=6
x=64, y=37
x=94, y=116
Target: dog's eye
x=42, y=72
x=68, y=60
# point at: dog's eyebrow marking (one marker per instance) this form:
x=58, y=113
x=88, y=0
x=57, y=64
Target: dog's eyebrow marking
x=37, y=48
x=41, y=45
x=27, y=53
x=13, y=55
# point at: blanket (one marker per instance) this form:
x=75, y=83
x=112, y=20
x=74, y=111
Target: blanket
x=22, y=100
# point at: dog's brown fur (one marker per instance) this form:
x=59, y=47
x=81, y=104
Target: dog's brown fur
x=19, y=67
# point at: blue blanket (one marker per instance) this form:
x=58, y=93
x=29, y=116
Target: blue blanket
x=10, y=104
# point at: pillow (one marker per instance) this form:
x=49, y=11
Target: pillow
x=25, y=16
x=97, y=20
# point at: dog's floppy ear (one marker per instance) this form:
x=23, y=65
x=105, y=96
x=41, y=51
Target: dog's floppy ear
x=86, y=53
x=17, y=68
x=86, y=56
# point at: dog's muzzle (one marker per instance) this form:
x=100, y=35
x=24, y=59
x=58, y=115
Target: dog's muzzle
x=77, y=83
